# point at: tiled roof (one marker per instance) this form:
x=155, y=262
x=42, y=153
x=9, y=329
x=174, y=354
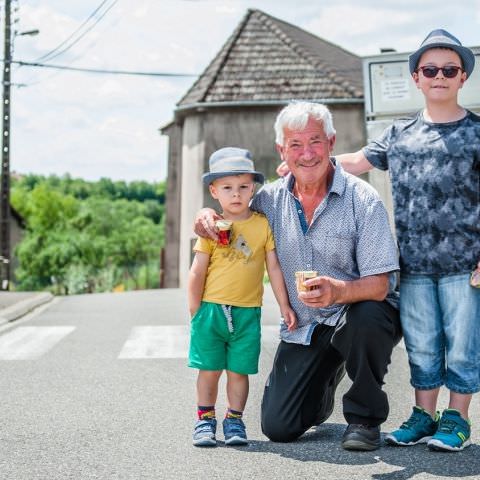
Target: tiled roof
x=267, y=59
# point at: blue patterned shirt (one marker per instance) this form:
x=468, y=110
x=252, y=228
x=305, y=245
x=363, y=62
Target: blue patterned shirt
x=435, y=174
x=348, y=238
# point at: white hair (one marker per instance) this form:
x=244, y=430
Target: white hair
x=295, y=117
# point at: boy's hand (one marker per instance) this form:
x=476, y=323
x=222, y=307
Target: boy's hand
x=475, y=277
x=289, y=318
x=204, y=223
x=282, y=169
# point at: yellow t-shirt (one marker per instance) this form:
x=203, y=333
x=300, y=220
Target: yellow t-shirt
x=235, y=272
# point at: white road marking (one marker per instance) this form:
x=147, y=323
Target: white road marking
x=27, y=343
x=171, y=341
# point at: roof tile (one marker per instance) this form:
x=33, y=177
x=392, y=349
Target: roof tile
x=268, y=59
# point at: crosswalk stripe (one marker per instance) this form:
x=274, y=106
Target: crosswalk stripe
x=27, y=343
x=170, y=341
x=167, y=341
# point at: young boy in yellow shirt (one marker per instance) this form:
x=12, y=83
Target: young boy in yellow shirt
x=225, y=289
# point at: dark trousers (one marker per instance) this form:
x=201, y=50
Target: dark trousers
x=296, y=392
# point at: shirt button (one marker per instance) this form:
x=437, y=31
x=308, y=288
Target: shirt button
x=299, y=211
x=308, y=265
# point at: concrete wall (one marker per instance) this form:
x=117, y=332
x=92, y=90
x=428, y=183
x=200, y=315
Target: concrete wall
x=193, y=157
x=377, y=178
x=349, y=122
x=172, y=205
x=203, y=133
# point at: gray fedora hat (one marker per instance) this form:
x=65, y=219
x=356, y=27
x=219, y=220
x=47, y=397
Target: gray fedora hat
x=441, y=38
x=231, y=161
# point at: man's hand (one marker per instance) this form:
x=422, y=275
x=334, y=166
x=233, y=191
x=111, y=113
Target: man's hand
x=329, y=290
x=475, y=277
x=326, y=292
x=204, y=223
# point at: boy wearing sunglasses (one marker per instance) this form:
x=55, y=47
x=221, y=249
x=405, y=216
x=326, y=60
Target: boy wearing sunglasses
x=434, y=165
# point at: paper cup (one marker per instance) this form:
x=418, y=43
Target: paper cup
x=303, y=275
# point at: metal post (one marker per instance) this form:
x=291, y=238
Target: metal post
x=162, y=267
x=5, y=186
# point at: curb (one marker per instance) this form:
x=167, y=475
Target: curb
x=24, y=306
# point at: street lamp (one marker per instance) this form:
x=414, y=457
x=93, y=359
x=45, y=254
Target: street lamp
x=28, y=32
x=5, y=181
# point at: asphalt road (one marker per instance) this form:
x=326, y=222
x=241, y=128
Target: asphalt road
x=91, y=389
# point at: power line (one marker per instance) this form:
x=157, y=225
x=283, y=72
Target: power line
x=98, y=70
x=83, y=34
x=29, y=83
x=49, y=55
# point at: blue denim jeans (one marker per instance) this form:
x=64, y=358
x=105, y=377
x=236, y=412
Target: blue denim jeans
x=440, y=318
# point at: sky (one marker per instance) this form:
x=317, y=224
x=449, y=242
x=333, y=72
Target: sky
x=92, y=126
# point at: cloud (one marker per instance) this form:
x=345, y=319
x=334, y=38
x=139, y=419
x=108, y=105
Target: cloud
x=104, y=125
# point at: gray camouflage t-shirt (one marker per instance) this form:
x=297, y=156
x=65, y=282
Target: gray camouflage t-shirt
x=435, y=174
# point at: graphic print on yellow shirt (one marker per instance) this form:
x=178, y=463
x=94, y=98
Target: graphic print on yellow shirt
x=238, y=249
x=235, y=273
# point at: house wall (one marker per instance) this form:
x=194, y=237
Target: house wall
x=349, y=122
x=252, y=128
x=172, y=205
x=191, y=198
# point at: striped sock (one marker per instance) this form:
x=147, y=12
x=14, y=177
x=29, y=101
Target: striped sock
x=206, y=413
x=233, y=414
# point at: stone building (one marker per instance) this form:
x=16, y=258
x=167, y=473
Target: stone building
x=263, y=65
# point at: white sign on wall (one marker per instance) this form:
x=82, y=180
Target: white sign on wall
x=393, y=90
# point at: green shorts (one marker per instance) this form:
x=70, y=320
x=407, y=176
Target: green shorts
x=223, y=339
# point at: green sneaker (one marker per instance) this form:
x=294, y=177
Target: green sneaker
x=419, y=428
x=453, y=433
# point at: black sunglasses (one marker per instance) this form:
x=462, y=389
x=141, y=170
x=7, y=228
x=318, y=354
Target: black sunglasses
x=448, y=72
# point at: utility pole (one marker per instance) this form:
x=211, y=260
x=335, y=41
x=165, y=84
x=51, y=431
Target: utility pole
x=5, y=184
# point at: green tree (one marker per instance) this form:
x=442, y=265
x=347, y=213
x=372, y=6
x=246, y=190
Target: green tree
x=88, y=236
